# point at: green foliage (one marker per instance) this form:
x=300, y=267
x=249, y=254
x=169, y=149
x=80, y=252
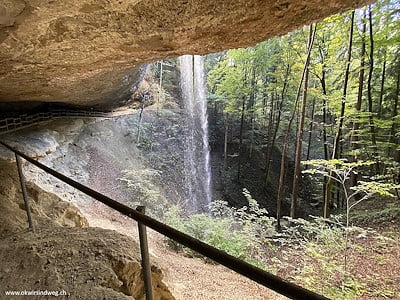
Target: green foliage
x=301, y=231
x=312, y=248
x=340, y=171
x=377, y=188
x=390, y=214
x=262, y=76
x=142, y=183
x=239, y=232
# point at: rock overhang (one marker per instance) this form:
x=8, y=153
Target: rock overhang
x=89, y=52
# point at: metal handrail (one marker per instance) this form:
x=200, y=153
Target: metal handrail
x=258, y=275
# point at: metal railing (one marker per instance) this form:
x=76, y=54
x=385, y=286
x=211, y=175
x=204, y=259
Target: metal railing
x=16, y=122
x=258, y=275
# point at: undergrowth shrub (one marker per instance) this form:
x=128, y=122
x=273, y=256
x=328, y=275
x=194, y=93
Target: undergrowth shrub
x=240, y=232
x=310, y=252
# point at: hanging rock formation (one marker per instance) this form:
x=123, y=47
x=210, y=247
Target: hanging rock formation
x=89, y=52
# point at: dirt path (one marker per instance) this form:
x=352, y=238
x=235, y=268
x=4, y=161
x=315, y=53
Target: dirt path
x=188, y=278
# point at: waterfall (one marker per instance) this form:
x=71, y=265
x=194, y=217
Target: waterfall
x=196, y=153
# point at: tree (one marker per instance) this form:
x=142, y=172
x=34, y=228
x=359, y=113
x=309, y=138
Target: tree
x=286, y=140
x=336, y=148
x=301, y=127
x=354, y=111
x=340, y=171
x=369, y=89
x=356, y=124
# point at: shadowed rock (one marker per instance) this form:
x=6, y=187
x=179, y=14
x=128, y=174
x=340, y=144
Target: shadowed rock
x=88, y=53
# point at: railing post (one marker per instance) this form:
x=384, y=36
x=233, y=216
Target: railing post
x=24, y=193
x=144, y=250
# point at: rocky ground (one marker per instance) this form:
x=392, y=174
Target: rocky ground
x=63, y=254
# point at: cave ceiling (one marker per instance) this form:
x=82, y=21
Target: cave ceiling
x=90, y=52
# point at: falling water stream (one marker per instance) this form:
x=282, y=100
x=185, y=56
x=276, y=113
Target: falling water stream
x=197, y=154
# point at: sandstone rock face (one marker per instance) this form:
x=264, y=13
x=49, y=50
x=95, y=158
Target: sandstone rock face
x=63, y=253
x=89, y=52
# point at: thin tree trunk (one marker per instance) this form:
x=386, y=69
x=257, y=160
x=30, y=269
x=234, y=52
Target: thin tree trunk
x=286, y=140
x=264, y=109
x=324, y=111
x=226, y=142
x=325, y=138
x=279, y=106
x=324, y=102
x=356, y=125
x=300, y=133
x=392, y=136
x=252, y=102
x=370, y=108
x=241, y=139
x=296, y=130
x=251, y=139
x=336, y=143
x=231, y=133
x=269, y=135
x=382, y=86
x=310, y=130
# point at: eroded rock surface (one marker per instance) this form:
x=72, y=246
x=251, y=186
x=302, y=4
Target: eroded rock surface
x=89, y=52
x=64, y=254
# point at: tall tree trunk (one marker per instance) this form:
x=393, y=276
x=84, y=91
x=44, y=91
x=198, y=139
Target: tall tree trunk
x=324, y=138
x=356, y=124
x=264, y=109
x=310, y=130
x=392, y=136
x=241, y=129
x=324, y=109
x=241, y=139
x=252, y=137
x=279, y=106
x=296, y=130
x=336, y=142
x=324, y=102
x=226, y=141
x=392, y=139
x=370, y=108
x=286, y=140
x=269, y=135
x=324, y=113
x=252, y=103
x=300, y=133
x=382, y=86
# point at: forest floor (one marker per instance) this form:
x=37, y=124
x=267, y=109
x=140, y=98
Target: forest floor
x=369, y=269
x=372, y=260
x=373, y=267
